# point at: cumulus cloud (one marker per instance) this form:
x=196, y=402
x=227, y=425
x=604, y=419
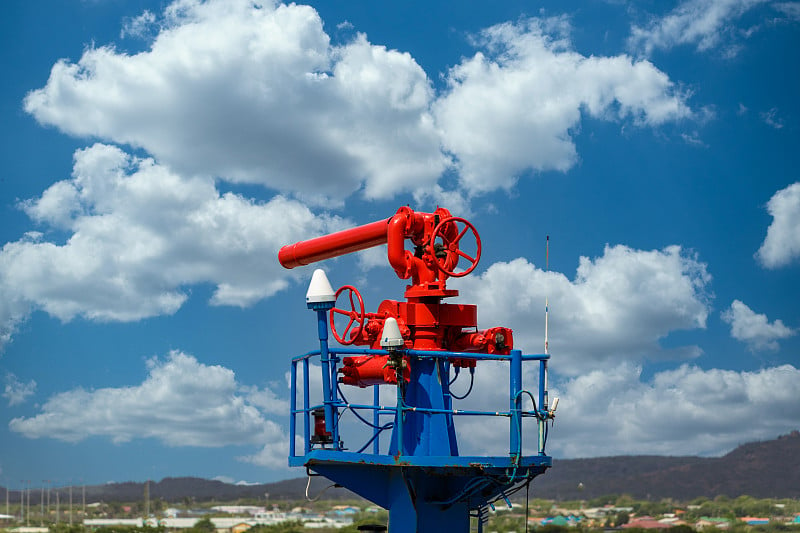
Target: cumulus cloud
x=614, y=411
x=137, y=234
x=704, y=23
x=260, y=95
x=782, y=244
x=618, y=308
x=16, y=391
x=754, y=329
x=255, y=94
x=606, y=322
x=182, y=402
x=517, y=106
x=683, y=411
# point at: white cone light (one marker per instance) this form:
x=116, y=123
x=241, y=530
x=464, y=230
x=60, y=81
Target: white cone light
x=320, y=290
x=390, y=336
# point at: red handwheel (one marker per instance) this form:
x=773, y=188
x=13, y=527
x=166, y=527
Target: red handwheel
x=353, y=315
x=450, y=234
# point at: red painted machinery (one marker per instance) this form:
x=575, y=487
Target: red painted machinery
x=441, y=244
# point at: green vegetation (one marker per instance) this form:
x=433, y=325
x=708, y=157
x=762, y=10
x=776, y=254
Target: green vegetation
x=621, y=510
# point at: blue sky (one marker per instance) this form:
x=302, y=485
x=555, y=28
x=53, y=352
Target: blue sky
x=156, y=156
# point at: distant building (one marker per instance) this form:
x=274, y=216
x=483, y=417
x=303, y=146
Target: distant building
x=647, y=522
x=252, y=510
x=96, y=523
x=715, y=522
x=754, y=520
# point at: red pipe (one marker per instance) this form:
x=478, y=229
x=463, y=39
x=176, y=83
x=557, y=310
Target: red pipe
x=398, y=229
x=334, y=245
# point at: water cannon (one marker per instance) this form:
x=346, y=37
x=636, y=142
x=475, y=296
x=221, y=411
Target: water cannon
x=437, y=239
x=442, y=246
x=418, y=345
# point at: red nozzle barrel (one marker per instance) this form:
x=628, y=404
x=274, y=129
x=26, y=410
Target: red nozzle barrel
x=334, y=245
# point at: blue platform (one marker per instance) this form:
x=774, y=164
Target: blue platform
x=423, y=481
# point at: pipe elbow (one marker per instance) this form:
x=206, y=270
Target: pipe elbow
x=399, y=257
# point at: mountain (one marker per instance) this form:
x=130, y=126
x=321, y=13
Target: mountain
x=769, y=469
x=181, y=489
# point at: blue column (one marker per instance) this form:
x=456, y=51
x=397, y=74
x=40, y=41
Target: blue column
x=542, y=420
x=376, y=418
x=293, y=409
x=322, y=328
x=515, y=404
x=306, y=409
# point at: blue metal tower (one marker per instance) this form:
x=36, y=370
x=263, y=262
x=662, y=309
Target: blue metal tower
x=414, y=347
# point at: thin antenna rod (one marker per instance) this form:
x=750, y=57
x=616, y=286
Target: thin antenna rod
x=546, y=306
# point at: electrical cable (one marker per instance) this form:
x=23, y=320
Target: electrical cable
x=455, y=377
x=527, y=498
x=355, y=412
x=390, y=425
x=317, y=497
x=469, y=390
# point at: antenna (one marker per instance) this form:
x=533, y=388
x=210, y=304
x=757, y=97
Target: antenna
x=546, y=307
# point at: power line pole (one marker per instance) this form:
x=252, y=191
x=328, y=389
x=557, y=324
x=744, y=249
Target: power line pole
x=147, y=499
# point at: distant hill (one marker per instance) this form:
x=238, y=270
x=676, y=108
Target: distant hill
x=769, y=469
x=180, y=489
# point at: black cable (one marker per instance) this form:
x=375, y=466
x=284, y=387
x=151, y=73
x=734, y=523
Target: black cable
x=390, y=425
x=455, y=377
x=469, y=390
x=527, y=497
x=353, y=410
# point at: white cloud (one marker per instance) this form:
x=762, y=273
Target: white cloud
x=139, y=26
x=518, y=105
x=704, y=23
x=259, y=95
x=685, y=411
x=754, y=329
x=614, y=411
x=256, y=94
x=618, y=308
x=790, y=9
x=272, y=455
x=782, y=243
x=13, y=311
x=772, y=119
x=137, y=234
x=16, y=391
x=613, y=315
x=182, y=402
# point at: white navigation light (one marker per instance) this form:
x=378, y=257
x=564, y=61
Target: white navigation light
x=390, y=336
x=554, y=406
x=320, y=290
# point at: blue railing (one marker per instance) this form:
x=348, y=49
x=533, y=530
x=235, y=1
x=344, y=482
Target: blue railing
x=334, y=403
